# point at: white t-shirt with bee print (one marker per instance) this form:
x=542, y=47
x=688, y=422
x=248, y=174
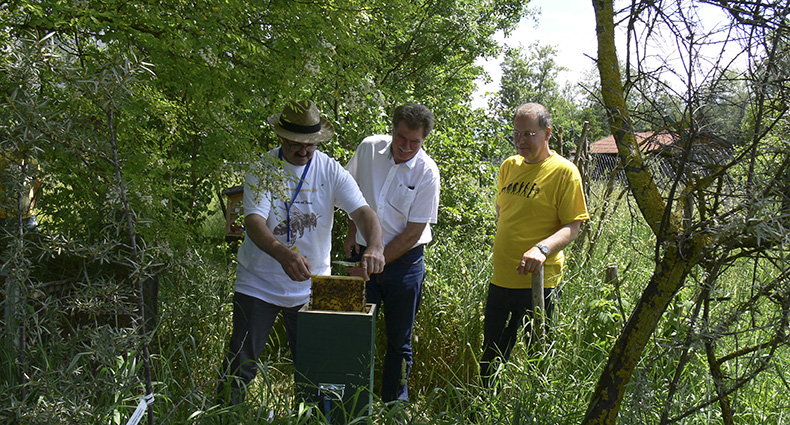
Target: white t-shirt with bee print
x=326, y=185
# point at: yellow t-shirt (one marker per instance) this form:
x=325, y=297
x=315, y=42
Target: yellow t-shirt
x=534, y=201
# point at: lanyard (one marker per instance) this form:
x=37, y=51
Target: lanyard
x=293, y=198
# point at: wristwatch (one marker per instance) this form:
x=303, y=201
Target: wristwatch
x=543, y=248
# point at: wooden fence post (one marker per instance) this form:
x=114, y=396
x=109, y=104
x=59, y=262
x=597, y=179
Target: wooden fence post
x=538, y=309
x=611, y=275
x=611, y=278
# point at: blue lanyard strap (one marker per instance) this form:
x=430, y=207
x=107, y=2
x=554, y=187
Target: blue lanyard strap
x=293, y=198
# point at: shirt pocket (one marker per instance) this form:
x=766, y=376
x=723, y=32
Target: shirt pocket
x=401, y=198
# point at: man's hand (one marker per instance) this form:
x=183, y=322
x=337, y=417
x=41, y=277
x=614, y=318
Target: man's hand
x=351, y=247
x=367, y=223
x=531, y=261
x=294, y=264
x=372, y=262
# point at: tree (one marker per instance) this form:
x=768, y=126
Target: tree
x=529, y=77
x=717, y=213
x=139, y=113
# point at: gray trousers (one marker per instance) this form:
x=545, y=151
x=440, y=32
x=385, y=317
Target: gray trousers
x=253, y=320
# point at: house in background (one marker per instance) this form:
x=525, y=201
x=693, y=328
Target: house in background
x=663, y=152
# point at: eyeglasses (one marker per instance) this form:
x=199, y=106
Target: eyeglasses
x=517, y=134
x=296, y=146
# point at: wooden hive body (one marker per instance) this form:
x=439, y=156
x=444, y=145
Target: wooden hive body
x=336, y=351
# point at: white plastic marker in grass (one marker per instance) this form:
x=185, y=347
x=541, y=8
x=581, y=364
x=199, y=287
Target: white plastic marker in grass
x=140, y=411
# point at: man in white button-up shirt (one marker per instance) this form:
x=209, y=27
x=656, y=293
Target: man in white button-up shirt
x=401, y=183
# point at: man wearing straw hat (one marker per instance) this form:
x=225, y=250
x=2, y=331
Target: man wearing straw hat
x=287, y=240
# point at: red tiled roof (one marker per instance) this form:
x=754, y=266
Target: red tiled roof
x=648, y=141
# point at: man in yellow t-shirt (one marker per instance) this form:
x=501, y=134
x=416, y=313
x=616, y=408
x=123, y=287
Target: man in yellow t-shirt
x=540, y=207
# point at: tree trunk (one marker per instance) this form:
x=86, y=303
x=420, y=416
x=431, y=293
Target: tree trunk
x=667, y=279
x=677, y=256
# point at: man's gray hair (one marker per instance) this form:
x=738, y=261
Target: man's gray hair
x=415, y=116
x=540, y=111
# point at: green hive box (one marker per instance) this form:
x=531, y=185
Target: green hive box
x=334, y=361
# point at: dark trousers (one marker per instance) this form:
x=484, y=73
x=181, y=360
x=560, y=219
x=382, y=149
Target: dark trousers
x=253, y=320
x=508, y=311
x=398, y=291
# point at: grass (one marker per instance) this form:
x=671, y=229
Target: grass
x=92, y=374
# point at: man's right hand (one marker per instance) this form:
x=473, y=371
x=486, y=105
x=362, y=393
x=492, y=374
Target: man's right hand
x=294, y=264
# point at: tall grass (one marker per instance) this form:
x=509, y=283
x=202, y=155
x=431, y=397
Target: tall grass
x=534, y=388
x=551, y=386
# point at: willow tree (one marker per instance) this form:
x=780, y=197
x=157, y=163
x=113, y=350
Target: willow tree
x=138, y=114
x=722, y=210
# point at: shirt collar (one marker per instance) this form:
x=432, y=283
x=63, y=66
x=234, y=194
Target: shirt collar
x=387, y=150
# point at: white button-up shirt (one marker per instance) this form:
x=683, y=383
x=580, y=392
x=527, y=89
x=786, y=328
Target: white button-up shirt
x=399, y=193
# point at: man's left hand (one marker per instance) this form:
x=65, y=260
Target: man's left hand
x=531, y=261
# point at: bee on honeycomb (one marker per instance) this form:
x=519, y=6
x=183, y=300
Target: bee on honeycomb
x=337, y=293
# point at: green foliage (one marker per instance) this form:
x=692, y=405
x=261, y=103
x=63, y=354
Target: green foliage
x=529, y=77
x=468, y=162
x=138, y=114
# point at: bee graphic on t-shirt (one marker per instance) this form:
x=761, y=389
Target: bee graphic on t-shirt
x=299, y=222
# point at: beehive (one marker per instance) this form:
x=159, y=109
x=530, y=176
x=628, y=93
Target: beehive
x=337, y=293
x=336, y=349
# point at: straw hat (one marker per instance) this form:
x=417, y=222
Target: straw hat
x=301, y=122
